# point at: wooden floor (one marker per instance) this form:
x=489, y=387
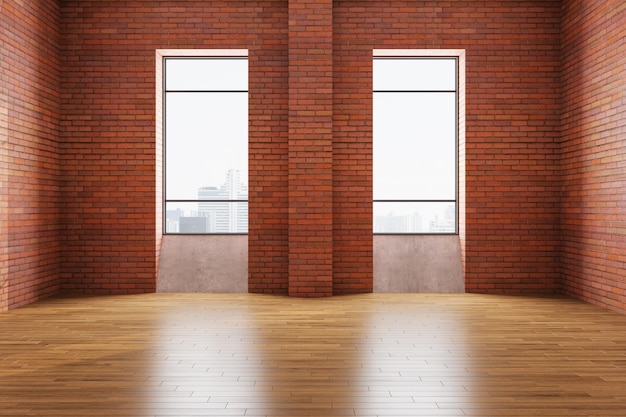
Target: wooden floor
x=369, y=355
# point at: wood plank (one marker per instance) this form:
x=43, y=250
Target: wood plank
x=365, y=355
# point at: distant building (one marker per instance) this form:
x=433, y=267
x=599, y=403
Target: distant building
x=392, y=223
x=194, y=224
x=226, y=216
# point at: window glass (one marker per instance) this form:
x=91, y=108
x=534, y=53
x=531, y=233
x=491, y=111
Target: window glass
x=206, y=74
x=414, y=146
x=414, y=74
x=206, y=145
x=207, y=135
x=415, y=141
x=204, y=217
x=414, y=217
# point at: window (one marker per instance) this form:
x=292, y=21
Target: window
x=415, y=144
x=205, y=125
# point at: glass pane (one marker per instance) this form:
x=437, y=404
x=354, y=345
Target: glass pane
x=412, y=217
x=206, y=217
x=206, y=144
x=414, y=74
x=206, y=74
x=414, y=146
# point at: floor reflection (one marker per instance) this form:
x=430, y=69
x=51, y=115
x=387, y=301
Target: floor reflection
x=366, y=355
x=312, y=357
x=342, y=356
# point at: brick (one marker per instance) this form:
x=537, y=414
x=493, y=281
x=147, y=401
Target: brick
x=593, y=157
x=543, y=155
x=30, y=232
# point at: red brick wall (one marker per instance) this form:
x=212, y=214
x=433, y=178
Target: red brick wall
x=310, y=147
x=594, y=152
x=512, y=178
x=4, y=183
x=268, y=238
x=109, y=196
x=108, y=133
x=511, y=236
x=29, y=174
x=352, y=154
x=108, y=148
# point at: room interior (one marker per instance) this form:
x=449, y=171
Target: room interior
x=541, y=174
x=540, y=193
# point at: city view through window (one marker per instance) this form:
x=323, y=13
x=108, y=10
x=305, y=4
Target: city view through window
x=206, y=145
x=415, y=128
x=414, y=218
x=215, y=211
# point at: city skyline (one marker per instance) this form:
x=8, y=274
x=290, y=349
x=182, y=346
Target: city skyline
x=210, y=213
x=207, y=216
x=440, y=218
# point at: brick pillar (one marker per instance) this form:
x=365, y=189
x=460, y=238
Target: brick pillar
x=310, y=148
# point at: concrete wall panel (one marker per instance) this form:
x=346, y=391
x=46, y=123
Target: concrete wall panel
x=203, y=264
x=418, y=264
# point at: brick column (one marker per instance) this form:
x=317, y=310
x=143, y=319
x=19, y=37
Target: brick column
x=310, y=148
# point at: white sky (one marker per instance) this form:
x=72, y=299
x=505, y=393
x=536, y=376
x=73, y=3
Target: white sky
x=206, y=132
x=414, y=153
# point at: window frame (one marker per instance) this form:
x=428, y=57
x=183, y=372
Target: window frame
x=162, y=57
x=459, y=83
